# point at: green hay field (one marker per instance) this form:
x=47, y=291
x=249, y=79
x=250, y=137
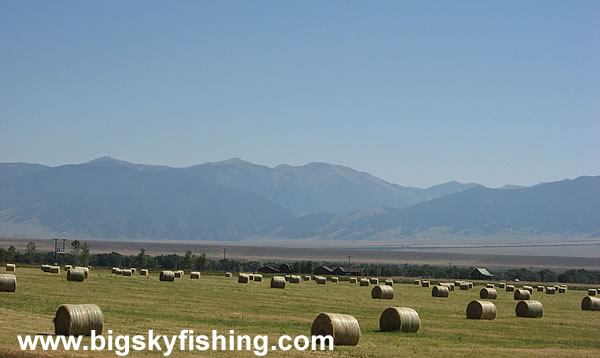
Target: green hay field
x=133, y=305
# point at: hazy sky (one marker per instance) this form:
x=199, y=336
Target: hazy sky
x=417, y=93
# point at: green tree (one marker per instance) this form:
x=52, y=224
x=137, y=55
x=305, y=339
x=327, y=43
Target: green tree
x=252, y=265
x=85, y=254
x=201, y=262
x=30, y=253
x=188, y=260
x=11, y=253
x=76, y=251
x=141, y=260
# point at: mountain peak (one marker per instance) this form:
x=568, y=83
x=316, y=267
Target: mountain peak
x=108, y=161
x=231, y=161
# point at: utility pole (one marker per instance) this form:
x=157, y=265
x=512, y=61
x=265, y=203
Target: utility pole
x=531, y=277
x=349, y=260
x=224, y=250
x=58, y=248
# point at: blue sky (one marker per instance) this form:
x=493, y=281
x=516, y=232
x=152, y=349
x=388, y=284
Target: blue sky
x=417, y=93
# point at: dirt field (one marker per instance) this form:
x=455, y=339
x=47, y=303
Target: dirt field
x=275, y=252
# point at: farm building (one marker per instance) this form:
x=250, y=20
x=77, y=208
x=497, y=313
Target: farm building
x=285, y=268
x=323, y=270
x=481, y=274
x=267, y=269
x=348, y=271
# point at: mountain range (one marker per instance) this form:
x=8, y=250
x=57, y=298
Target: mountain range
x=235, y=200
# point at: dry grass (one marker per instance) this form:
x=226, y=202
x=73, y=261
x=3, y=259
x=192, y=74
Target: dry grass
x=132, y=305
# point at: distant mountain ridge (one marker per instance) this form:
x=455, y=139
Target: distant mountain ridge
x=235, y=200
x=319, y=187
x=10, y=171
x=118, y=202
x=564, y=207
x=308, y=189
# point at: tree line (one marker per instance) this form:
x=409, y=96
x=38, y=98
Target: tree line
x=80, y=256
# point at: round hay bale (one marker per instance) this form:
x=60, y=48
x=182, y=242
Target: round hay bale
x=8, y=283
x=11, y=267
x=342, y=327
x=490, y=285
x=389, y=282
x=510, y=288
x=54, y=269
x=68, y=267
x=243, y=278
x=353, y=280
x=133, y=270
x=417, y=282
x=488, y=293
x=75, y=275
x=278, y=282
x=382, y=292
x=592, y=292
x=374, y=281
x=194, y=275
x=307, y=278
x=251, y=277
x=114, y=270
x=550, y=290
x=531, y=309
x=457, y=283
x=440, y=291
x=590, y=303
x=562, y=290
x=470, y=285
x=501, y=285
x=287, y=277
x=364, y=282
x=258, y=278
x=481, y=309
x=78, y=320
x=119, y=272
x=528, y=288
x=85, y=269
x=177, y=274
x=168, y=276
x=334, y=279
x=320, y=280
x=295, y=279
x=228, y=274
x=45, y=268
x=540, y=288
x=425, y=283
x=143, y=272
x=522, y=295
x=450, y=285
x=127, y=272
x=464, y=286
x=403, y=319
